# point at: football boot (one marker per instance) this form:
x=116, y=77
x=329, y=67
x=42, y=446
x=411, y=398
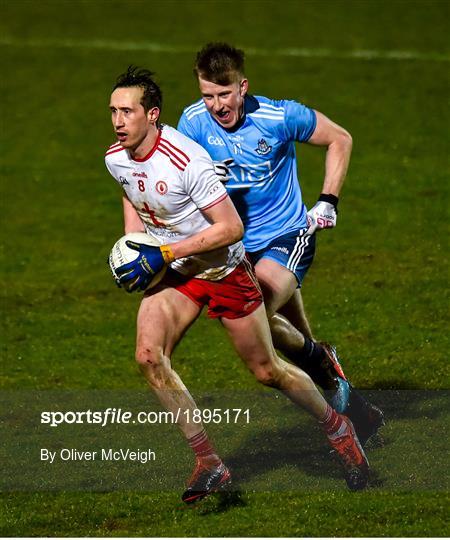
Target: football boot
x=366, y=418
x=205, y=480
x=332, y=379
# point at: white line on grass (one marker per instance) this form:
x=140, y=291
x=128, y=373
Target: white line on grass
x=358, y=54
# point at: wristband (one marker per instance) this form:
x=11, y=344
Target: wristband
x=167, y=254
x=329, y=198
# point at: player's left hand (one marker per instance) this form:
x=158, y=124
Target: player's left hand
x=138, y=274
x=323, y=215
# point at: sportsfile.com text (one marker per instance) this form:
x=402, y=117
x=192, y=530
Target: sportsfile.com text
x=120, y=416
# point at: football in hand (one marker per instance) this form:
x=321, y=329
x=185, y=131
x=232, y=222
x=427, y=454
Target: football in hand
x=121, y=254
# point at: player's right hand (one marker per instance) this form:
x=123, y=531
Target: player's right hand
x=222, y=169
x=323, y=215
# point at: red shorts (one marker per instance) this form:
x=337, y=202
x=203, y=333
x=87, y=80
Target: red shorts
x=235, y=296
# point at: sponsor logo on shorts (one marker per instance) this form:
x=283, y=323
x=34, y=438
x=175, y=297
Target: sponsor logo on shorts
x=248, y=305
x=282, y=249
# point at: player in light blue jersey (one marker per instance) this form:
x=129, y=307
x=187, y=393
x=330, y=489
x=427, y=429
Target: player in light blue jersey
x=261, y=163
x=252, y=140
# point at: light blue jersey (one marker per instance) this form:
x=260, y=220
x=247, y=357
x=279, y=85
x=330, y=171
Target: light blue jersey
x=264, y=185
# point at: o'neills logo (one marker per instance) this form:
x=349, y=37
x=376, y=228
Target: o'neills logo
x=140, y=174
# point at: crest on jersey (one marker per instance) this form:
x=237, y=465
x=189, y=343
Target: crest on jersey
x=161, y=187
x=263, y=148
x=123, y=181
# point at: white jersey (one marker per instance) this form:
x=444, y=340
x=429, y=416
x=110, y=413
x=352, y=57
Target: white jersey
x=169, y=188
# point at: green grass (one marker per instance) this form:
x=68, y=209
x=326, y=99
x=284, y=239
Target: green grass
x=378, y=287
x=253, y=514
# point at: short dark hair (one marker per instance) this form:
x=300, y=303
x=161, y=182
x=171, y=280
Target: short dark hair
x=143, y=78
x=220, y=63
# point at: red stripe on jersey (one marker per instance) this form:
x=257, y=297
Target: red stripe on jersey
x=114, y=145
x=109, y=152
x=176, y=148
x=171, y=160
x=152, y=151
x=217, y=201
x=175, y=156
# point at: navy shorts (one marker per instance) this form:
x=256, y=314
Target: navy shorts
x=295, y=251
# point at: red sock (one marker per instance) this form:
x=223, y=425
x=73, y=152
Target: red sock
x=203, y=449
x=332, y=423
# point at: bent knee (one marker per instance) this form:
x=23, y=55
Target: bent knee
x=266, y=374
x=149, y=356
x=154, y=366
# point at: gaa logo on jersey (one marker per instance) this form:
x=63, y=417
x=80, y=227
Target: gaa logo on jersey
x=217, y=141
x=161, y=187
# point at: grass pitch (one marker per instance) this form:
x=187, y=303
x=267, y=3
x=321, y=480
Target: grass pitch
x=377, y=289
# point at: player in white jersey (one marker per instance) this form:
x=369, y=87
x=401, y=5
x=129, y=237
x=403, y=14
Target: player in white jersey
x=252, y=139
x=171, y=190
x=157, y=189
